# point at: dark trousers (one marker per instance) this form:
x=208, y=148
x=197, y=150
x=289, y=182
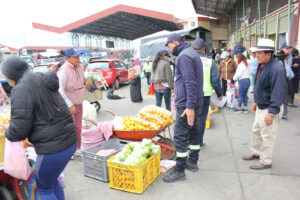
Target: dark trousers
x=203, y=116
x=48, y=169
x=166, y=93
x=186, y=137
x=148, y=76
x=224, y=86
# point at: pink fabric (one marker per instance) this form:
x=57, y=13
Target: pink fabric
x=75, y=82
x=106, y=129
x=3, y=96
x=15, y=160
x=78, y=124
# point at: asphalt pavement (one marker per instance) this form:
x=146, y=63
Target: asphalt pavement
x=223, y=175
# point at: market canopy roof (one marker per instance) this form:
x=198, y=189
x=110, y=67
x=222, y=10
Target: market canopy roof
x=214, y=8
x=120, y=21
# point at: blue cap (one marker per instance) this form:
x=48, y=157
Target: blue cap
x=174, y=37
x=199, y=43
x=238, y=49
x=71, y=52
x=164, y=52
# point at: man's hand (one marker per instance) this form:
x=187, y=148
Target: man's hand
x=296, y=65
x=253, y=108
x=268, y=119
x=73, y=110
x=220, y=98
x=190, y=113
x=172, y=91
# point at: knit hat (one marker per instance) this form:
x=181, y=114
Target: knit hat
x=224, y=54
x=238, y=49
x=14, y=67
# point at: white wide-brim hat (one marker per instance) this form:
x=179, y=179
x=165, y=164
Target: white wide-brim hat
x=265, y=45
x=252, y=49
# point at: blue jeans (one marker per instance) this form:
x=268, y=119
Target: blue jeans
x=48, y=169
x=203, y=115
x=185, y=136
x=252, y=79
x=166, y=93
x=148, y=76
x=243, y=90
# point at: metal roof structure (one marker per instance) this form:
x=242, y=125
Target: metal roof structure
x=214, y=8
x=121, y=21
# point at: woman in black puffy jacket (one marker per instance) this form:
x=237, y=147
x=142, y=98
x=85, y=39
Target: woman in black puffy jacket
x=39, y=113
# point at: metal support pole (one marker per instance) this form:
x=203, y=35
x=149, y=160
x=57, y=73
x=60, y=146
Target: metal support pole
x=259, y=30
x=244, y=23
x=236, y=28
x=289, y=16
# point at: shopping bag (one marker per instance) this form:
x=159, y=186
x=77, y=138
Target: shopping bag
x=151, y=90
x=130, y=74
x=143, y=75
x=15, y=160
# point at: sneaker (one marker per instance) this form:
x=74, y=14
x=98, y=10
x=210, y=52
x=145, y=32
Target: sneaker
x=284, y=117
x=174, y=176
x=245, y=111
x=191, y=167
x=237, y=110
x=72, y=158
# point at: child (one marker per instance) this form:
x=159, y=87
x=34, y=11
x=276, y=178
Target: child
x=230, y=93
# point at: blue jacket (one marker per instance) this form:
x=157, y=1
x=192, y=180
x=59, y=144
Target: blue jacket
x=189, y=77
x=270, y=86
x=288, y=67
x=214, y=75
x=253, y=65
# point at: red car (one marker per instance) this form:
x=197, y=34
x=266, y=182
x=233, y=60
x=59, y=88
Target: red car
x=114, y=71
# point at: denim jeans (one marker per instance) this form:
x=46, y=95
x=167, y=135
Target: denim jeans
x=148, y=76
x=186, y=136
x=166, y=93
x=203, y=115
x=48, y=169
x=243, y=90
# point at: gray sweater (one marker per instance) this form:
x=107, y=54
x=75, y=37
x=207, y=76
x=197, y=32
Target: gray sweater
x=163, y=73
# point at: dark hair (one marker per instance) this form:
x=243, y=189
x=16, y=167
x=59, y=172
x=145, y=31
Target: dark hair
x=241, y=58
x=157, y=58
x=43, y=101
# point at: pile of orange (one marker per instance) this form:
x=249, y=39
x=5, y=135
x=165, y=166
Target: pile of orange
x=133, y=123
x=157, y=115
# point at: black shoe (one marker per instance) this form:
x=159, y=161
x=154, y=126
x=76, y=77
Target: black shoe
x=284, y=117
x=174, y=176
x=191, y=167
x=237, y=110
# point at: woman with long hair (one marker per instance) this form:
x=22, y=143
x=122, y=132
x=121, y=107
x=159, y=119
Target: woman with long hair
x=162, y=78
x=39, y=113
x=135, y=84
x=242, y=75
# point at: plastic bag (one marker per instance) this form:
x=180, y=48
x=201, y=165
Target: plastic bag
x=143, y=75
x=151, y=90
x=15, y=160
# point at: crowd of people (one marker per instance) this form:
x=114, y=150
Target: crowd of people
x=47, y=108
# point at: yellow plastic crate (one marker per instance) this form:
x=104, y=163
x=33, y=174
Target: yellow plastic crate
x=133, y=178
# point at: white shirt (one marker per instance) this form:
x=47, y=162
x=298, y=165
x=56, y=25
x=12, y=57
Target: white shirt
x=242, y=72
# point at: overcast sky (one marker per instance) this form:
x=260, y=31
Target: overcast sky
x=16, y=17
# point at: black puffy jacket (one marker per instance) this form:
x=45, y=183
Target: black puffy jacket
x=26, y=122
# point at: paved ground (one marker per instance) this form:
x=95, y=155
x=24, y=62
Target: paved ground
x=223, y=174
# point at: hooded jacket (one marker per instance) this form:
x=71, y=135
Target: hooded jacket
x=26, y=122
x=189, y=77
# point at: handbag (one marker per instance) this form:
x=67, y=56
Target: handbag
x=15, y=160
x=151, y=90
